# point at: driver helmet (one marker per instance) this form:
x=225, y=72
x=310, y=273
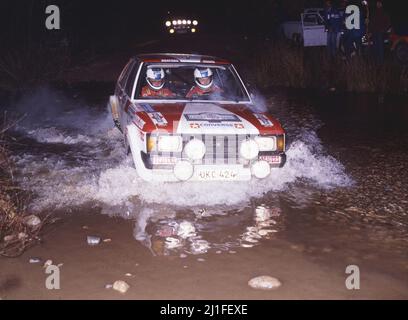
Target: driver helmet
x=203, y=77
x=155, y=78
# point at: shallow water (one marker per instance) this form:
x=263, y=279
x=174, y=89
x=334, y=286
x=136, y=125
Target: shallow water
x=342, y=192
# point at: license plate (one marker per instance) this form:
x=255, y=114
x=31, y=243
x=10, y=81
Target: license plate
x=208, y=174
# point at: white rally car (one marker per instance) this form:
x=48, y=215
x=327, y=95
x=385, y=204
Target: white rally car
x=182, y=132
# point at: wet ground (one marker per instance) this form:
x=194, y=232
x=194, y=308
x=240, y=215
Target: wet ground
x=340, y=200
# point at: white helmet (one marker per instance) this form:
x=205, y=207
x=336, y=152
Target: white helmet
x=200, y=73
x=155, y=75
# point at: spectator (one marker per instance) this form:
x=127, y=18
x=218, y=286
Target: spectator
x=379, y=24
x=333, y=24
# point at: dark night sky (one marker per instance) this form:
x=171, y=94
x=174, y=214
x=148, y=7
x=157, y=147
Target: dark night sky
x=92, y=20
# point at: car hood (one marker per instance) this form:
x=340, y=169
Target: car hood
x=206, y=118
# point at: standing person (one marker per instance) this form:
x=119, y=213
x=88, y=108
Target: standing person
x=379, y=24
x=333, y=27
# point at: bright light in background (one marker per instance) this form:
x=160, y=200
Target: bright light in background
x=184, y=21
x=195, y=22
x=174, y=22
x=178, y=21
x=188, y=21
x=168, y=23
x=193, y=30
x=171, y=31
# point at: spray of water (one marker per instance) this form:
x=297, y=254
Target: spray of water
x=82, y=160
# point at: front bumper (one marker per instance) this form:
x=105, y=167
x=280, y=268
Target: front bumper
x=205, y=172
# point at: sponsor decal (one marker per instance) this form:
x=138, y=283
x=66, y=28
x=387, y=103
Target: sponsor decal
x=239, y=125
x=263, y=119
x=195, y=125
x=271, y=159
x=217, y=125
x=139, y=122
x=157, y=118
x=147, y=107
x=211, y=117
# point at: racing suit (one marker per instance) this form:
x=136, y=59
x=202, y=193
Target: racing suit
x=197, y=91
x=163, y=92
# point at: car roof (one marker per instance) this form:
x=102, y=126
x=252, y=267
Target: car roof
x=180, y=57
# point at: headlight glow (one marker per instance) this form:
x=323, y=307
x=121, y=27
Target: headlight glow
x=171, y=30
x=193, y=30
x=178, y=21
x=168, y=23
x=188, y=21
x=249, y=149
x=184, y=22
x=195, y=22
x=169, y=143
x=266, y=143
x=174, y=22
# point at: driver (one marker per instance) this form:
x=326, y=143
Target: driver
x=203, y=78
x=155, y=84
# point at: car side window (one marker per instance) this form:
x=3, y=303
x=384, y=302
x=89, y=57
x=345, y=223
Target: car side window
x=125, y=73
x=131, y=79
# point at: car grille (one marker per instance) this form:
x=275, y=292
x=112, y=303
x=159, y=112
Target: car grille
x=220, y=149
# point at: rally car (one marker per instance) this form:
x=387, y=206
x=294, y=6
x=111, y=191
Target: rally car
x=190, y=117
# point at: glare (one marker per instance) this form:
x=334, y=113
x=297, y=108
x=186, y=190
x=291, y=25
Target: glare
x=193, y=30
x=174, y=22
x=188, y=21
x=178, y=21
x=184, y=21
x=195, y=22
x=168, y=23
x=171, y=31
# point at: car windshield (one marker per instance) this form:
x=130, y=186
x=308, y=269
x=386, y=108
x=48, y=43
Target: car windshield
x=180, y=83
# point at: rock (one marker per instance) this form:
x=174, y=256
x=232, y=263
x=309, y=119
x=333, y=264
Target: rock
x=34, y=260
x=264, y=283
x=92, y=240
x=9, y=237
x=22, y=236
x=128, y=275
x=32, y=221
x=121, y=286
x=200, y=259
x=107, y=240
x=108, y=286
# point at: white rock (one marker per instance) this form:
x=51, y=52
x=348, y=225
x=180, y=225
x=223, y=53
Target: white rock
x=32, y=220
x=107, y=240
x=121, y=286
x=34, y=260
x=92, y=240
x=9, y=238
x=264, y=283
x=22, y=236
x=108, y=286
